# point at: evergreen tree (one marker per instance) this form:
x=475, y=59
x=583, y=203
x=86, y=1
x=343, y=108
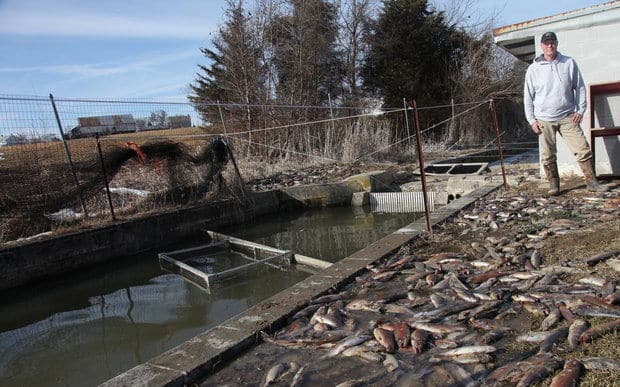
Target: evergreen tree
x=308, y=64
x=412, y=54
x=235, y=74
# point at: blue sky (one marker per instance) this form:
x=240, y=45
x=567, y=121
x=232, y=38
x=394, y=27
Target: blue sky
x=143, y=49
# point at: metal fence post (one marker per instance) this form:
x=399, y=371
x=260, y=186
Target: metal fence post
x=105, y=177
x=232, y=158
x=68, y=154
x=499, y=141
x=407, y=122
x=421, y=162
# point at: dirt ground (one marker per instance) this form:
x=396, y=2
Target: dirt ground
x=564, y=230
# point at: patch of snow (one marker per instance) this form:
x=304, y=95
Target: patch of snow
x=124, y=190
x=65, y=214
x=34, y=236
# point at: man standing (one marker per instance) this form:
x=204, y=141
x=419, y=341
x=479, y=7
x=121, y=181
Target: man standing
x=554, y=96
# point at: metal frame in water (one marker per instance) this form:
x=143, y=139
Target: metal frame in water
x=256, y=253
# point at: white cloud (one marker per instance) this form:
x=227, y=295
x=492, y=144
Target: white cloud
x=88, y=70
x=67, y=20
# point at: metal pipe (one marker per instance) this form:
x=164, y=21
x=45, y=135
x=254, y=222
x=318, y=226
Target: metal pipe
x=68, y=154
x=499, y=141
x=421, y=162
x=105, y=176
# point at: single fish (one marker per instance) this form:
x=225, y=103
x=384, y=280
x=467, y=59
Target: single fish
x=536, y=259
x=386, y=339
x=601, y=363
x=540, y=372
x=548, y=343
x=596, y=281
x=553, y=318
x=390, y=362
x=569, y=376
x=274, y=373
x=599, y=330
x=492, y=336
x=597, y=311
x=613, y=299
x=576, y=329
x=349, y=342
x=363, y=353
x=419, y=340
x=533, y=337
x=298, y=378
x=566, y=313
x=468, y=350
x=438, y=328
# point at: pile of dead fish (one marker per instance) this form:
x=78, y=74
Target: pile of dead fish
x=455, y=318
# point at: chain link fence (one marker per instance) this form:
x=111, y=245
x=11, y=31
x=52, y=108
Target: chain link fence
x=79, y=162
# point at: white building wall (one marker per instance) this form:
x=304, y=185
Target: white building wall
x=597, y=52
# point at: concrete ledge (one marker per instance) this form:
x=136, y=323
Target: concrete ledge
x=205, y=353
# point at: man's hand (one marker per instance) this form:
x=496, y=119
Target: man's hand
x=536, y=127
x=577, y=118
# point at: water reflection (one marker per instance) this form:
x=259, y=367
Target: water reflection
x=94, y=324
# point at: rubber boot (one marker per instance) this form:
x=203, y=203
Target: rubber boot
x=553, y=176
x=588, y=174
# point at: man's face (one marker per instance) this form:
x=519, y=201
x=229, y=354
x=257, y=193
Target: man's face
x=549, y=48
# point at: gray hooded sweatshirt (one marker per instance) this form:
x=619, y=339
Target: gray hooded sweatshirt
x=553, y=90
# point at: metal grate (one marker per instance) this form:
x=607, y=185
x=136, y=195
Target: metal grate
x=400, y=201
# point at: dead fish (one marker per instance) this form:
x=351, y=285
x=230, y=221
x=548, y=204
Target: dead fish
x=331, y=298
x=386, y=339
x=349, y=342
x=548, y=343
x=609, y=287
x=274, y=373
x=533, y=337
x=298, y=378
x=553, y=318
x=432, y=279
x=384, y=276
x=601, y=363
x=416, y=277
x=363, y=353
x=540, y=371
x=419, y=340
x=362, y=304
x=401, y=333
x=613, y=299
x=460, y=376
x=601, y=257
x=485, y=310
x=597, y=301
x=390, y=362
x=596, y=281
x=438, y=328
x=468, y=350
x=445, y=343
x=569, y=376
x=462, y=294
x=599, y=330
x=597, y=311
x=307, y=311
x=328, y=320
x=492, y=336
x=535, y=308
x=614, y=264
x=472, y=358
x=575, y=331
x=480, y=278
x=566, y=313
x=536, y=259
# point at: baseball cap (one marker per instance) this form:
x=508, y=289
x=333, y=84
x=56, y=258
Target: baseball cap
x=548, y=36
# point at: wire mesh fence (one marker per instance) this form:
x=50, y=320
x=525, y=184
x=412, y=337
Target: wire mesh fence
x=77, y=161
